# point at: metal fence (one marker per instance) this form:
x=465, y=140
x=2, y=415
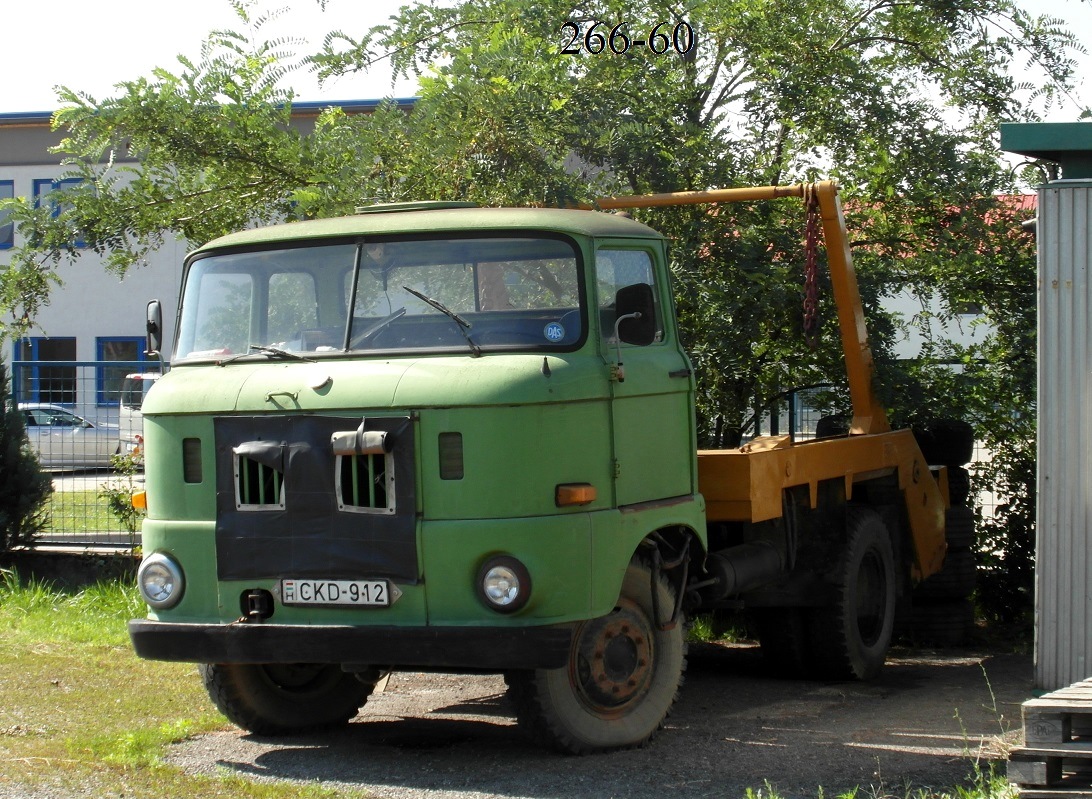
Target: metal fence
x=80, y=416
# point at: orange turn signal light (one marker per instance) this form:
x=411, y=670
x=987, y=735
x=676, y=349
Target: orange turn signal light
x=575, y=494
x=140, y=500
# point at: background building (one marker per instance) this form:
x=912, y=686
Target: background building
x=95, y=317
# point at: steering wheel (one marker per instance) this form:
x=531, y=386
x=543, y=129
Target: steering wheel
x=374, y=328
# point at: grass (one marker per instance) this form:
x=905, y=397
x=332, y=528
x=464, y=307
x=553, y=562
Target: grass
x=985, y=784
x=709, y=628
x=81, y=715
x=81, y=512
x=86, y=514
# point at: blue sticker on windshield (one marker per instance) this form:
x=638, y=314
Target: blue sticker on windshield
x=554, y=332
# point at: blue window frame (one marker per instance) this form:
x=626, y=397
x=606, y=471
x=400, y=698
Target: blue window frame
x=7, y=229
x=43, y=187
x=128, y=352
x=39, y=380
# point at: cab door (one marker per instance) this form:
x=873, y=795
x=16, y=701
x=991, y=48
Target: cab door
x=652, y=386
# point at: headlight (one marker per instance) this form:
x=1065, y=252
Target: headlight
x=504, y=584
x=160, y=581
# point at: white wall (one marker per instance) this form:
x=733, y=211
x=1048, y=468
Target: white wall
x=963, y=329
x=93, y=302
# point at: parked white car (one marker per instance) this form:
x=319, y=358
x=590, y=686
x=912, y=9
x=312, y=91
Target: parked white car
x=66, y=441
x=134, y=388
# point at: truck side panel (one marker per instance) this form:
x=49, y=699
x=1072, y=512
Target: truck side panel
x=746, y=484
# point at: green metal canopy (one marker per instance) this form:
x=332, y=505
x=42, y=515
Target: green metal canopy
x=1067, y=143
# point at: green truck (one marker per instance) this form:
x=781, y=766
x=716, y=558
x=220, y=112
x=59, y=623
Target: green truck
x=434, y=436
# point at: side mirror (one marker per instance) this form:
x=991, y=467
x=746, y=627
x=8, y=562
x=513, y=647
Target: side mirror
x=635, y=310
x=154, y=328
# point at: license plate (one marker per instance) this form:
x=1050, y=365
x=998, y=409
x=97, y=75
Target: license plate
x=339, y=593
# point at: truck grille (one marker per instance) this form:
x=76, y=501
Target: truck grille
x=257, y=485
x=365, y=483
x=316, y=496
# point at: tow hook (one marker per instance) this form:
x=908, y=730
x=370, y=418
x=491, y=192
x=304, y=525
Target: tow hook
x=257, y=605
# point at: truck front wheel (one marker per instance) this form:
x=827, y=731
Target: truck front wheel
x=279, y=698
x=622, y=678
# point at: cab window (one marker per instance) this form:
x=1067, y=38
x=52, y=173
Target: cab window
x=617, y=269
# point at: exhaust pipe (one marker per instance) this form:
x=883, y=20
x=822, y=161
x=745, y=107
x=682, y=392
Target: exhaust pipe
x=742, y=567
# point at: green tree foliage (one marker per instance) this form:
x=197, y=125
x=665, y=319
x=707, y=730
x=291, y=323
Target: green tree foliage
x=24, y=487
x=898, y=101
x=990, y=381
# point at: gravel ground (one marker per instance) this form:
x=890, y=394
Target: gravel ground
x=924, y=722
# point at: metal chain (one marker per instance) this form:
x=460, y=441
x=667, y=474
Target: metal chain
x=811, y=269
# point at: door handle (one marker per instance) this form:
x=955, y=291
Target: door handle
x=679, y=373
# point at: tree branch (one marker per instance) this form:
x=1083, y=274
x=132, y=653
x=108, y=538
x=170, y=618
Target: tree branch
x=417, y=42
x=868, y=12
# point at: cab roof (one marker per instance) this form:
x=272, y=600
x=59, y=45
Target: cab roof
x=378, y=221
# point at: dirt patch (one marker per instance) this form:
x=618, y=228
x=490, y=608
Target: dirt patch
x=925, y=722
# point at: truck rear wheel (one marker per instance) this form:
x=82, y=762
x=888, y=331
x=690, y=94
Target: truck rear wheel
x=851, y=638
x=279, y=698
x=622, y=678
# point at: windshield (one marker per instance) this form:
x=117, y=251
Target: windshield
x=436, y=294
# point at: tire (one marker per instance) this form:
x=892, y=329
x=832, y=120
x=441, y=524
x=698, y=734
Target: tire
x=956, y=580
x=621, y=681
x=783, y=636
x=850, y=639
x=945, y=442
x=959, y=485
x=836, y=425
x=279, y=698
x=959, y=529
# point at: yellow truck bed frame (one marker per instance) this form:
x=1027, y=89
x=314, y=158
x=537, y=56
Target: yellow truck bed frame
x=747, y=484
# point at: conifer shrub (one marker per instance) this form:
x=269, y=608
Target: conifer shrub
x=24, y=487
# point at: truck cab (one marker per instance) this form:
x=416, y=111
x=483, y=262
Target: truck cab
x=428, y=437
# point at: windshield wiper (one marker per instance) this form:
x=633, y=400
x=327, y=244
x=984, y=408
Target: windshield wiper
x=265, y=349
x=464, y=326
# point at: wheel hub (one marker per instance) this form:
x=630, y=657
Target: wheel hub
x=614, y=659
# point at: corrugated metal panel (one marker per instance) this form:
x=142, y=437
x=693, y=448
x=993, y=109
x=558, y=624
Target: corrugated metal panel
x=1063, y=628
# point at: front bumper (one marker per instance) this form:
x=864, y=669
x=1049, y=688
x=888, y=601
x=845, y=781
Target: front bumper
x=484, y=648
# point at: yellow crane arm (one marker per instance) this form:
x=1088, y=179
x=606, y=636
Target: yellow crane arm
x=869, y=415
